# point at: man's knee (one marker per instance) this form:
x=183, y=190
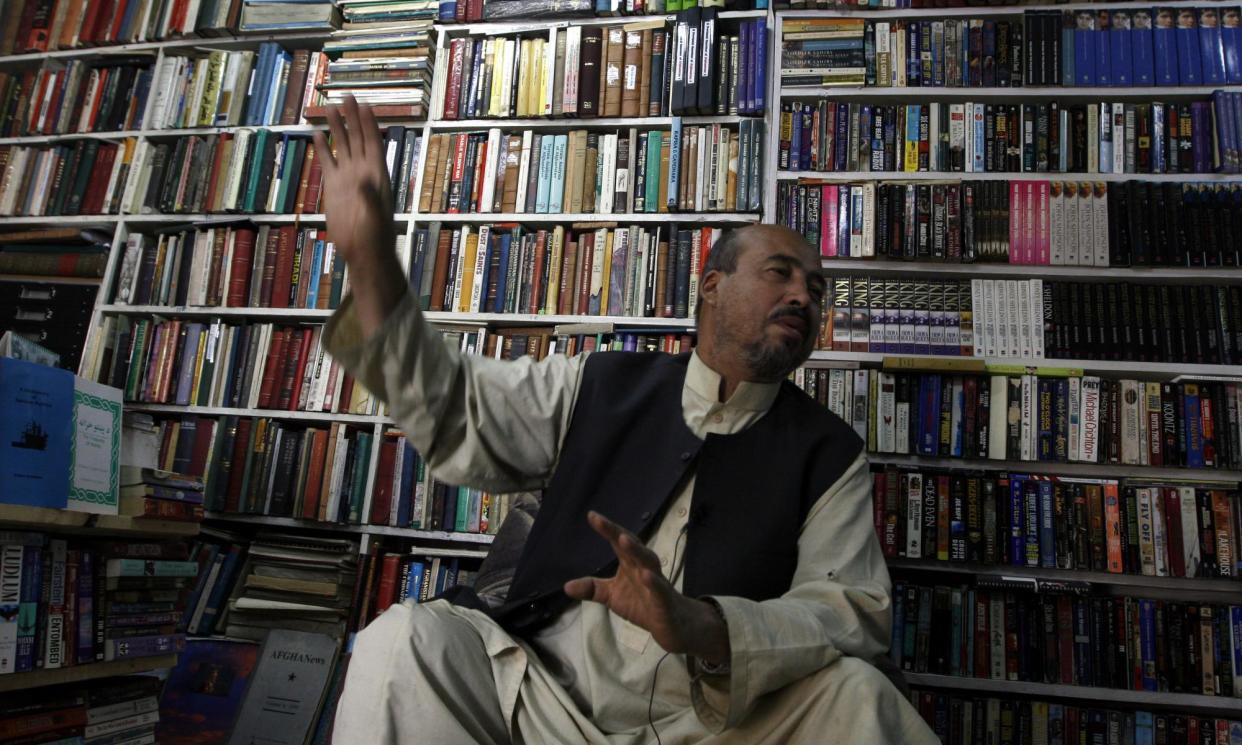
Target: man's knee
x=420, y=634
x=853, y=684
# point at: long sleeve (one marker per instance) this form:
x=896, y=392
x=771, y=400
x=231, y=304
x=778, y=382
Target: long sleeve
x=837, y=605
x=479, y=422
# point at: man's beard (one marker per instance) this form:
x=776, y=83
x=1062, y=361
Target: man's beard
x=771, y=361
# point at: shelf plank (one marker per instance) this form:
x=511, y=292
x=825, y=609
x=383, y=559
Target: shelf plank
x=1206, y=589
x=79, y=673
x=68, y=521
x=59, y=220
x=616, y=218
x=1189, y=702
x=1027, y=271
x=516, y=25
x=289, y=522
x=437, y=317
x=312, y=416
x=969, y=12
x=1147, y=370
x=1003, y=94
x=182, y=311
x=1089, y=470
x=50, y=279
x=956, y=176
x=645, y=122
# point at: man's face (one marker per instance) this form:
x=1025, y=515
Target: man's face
x=769, y=309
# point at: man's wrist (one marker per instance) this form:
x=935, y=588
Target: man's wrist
x=711, y=642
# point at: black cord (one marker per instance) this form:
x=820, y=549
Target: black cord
x=655, y=675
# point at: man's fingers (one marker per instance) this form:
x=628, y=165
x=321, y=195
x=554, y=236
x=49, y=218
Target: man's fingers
x=353, y=119
x=323, y=151
x=586, y=588
x=340, y=137
x=625, y=545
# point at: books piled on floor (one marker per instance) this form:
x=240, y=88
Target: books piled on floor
x=85, y=602
x=383, y=57
x=294, y=582
x=116, y=710
x=166, y=495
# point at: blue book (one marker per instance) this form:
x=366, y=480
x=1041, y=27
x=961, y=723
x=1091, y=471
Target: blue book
x=1047, y=533
x=841, y=144
x=543, y=191
x=746, y=60
x=316, y=270
x=1158, y=164
x=1189, y=64
x=1056, y=724
x=212, y=550
x=1235, y=630
x=1231, y=40
x=913, y=53
x=36, y=434
x=955, y=647
x=1030, y=520
x=1017, y=521
x=1143, y=56
x=1147, y=642
x=276, y=88
x=795, y=140
x=1067, y=50
x=556, y=192
x=1084, y=48
x=1103, y=50
x=899, y=621
x=28, y=608
x=502, y=277
x=1211, y=46
x=1121, y=66
x=219, y=591
x=759, y=80
x=1082, y=646
x=406, y=494
x=930, y=410
x=414, y=585
x=674, y=164
x=448, y=11
x=1144, y=728
x=261, y=68
x=1164, y=46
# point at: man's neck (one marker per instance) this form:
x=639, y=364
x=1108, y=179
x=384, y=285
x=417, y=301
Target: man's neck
x=730, y=379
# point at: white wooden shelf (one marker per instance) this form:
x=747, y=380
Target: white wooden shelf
x=151, y=47
x=518, y=25
x=1209, y=590
x=308, y=416
x=1145, y=370
x=182, y=311
x=527, y=319
x=648, y=122
x=612, y=218
x=1188, y=702
x=89, y=671
x=59, y=220
x=42, y=139
x=1085, y=470
x=289, y=522
x=1002, y=270
x=14, y=516
x=223, y=217
x=969, y=12
x=1007, y=95
x=957, y=176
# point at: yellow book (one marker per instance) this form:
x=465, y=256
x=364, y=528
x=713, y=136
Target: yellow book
x=1048, y=372
x=554, y=270
x=497, y=57
x=532, y=86
x=932, y=364
x=607, y=274
x=523, y=86
x=167, y=463
x=544, y=73
x=198, y=363
x=469, y=256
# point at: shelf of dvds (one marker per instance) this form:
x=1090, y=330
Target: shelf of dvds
x=1204, y=589
x=833, y=266
x=1148, y=370
x=605, y=122
x=493, y=28
x=1008, y=9
x=612, y=218
x=955, y=176
x=1005, y=94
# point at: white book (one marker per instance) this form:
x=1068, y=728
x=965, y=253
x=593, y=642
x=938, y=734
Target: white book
x=114, y=178
x=933, y=138
x=488, y=190
x=1086, y=231
x=847, y=396
x=1074, y=407
x=868, y=227
x=1146, y=531
x=477, y=291
x=608, y=156
x=1089, y=420
x=43, y=181
x=1056, y=218
x=968, y=132
x=265, y=344
x=886, y=430
x=1030, y=412
x=573, y=49
x=523, y=170
x=237, y=166
x=901, y=428
x=980, y=316
x=862, y=389
x=1026, y=347
x=1190, y=530
x=508, y=50
x=836, y=388
x=459, y=238
x=338, y=474
x=1160, y=534
x=597, y=268
x=1001, y=300
x=1119, y=138
x=1036, y=287
x=1015, y=290
x=17, y=166
x=1099, y=205
x=548, y=85
x=914, y=516
x=397, y=464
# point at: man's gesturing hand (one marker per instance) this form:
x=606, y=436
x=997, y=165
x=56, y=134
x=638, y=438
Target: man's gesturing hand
x=357, y=202
x=641, y=594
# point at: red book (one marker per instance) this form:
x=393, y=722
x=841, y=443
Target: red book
x=283, y=278
x=215, y=272
x=452, y=93
x=102, y=171
x=288, y=366
x=381, y=495
x=163, y=509
x=386, y=592
x=269, y=268
x=981, y=636
x=239, y=273
x=565, y=302
x=314, y=474
x=439, y=277
x=537, y=278
x=879, y=485
x=308, y=202
x=586, y=248
x=291, y=107
x=204, y=433
x=40, y=25
x=90, y=20
x=113, y=32
x=299, y=368
x=275, y=355
x=347, y=392
x=381, y=111
x=213, y=182
x=237, y=468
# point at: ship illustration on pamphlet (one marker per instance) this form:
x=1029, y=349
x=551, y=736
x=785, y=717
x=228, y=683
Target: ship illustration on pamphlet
x=34, y=437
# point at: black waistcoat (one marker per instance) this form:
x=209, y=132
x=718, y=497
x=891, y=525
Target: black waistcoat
x=626, y=453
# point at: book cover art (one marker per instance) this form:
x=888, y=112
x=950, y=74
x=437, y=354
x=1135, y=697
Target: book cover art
x=204, y=691
x=35, y=433
x=95, y=453
x=1164, y=46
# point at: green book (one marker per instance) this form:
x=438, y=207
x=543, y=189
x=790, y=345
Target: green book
x=654, y=143
x=253, y=176
x=135, y=359
x=338, y=280
x=462, y=523
x=362, y=465
x=249, y=467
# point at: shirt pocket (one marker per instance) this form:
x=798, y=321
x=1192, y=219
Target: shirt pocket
x=630, y=636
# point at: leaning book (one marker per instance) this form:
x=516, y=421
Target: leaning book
x=283, y=699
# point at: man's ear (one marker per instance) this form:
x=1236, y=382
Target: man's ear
x=709, y=287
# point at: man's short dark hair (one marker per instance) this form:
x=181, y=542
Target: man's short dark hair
x=721, y=258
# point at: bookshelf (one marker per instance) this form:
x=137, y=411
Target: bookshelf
x=410, y=221
x=82, y=673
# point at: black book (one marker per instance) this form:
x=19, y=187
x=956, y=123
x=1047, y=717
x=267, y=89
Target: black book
x=588, y=72
x=709, y=70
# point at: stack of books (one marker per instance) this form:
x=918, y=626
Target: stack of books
x=289, y=15
x=166, y=495
x=115, y=710
x=383, y=57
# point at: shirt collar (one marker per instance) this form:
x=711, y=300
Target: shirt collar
x=705, y=383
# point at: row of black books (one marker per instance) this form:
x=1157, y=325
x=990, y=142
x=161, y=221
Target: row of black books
x=690, y=66
x=82, y=95
x=81, y=177
x=709, y=168
x=1084, y=47
x=113, y=710
x=463, y=11
x=1128, y=526
x=979, y=137
x=1046, y=631
x=960, y=720
x=1056, y=416
x=1034, y=222
x=89, y=601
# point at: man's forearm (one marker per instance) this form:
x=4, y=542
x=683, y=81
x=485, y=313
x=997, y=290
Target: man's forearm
x=709, y=638
x=377, y=286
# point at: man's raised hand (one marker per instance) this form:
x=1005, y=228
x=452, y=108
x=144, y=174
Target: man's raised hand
x=642, y=595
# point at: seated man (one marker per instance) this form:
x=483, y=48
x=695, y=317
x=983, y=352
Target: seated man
x=696, y=506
